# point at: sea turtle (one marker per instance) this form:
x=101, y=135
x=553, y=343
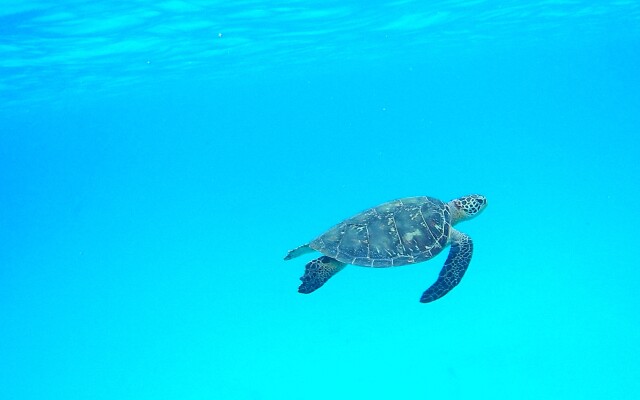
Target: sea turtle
x=399, y=232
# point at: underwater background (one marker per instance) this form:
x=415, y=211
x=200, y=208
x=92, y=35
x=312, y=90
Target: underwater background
x=159, y=159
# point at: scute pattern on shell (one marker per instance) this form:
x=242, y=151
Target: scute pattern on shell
x=395, y=233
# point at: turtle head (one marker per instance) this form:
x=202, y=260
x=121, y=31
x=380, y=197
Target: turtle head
x=466, y=207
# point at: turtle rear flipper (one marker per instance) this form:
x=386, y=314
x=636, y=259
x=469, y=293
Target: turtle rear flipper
x=317, y=272
x=454, y=268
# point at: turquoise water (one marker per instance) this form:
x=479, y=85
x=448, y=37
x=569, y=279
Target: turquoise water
x=159, y=159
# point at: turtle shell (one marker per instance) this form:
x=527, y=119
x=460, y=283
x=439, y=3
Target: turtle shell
x=395, y=233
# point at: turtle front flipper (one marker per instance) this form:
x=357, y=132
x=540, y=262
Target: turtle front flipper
x=317, y=272
x=454, y=268
x=298, y=251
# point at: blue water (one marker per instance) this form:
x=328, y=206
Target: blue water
x=158, y=160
